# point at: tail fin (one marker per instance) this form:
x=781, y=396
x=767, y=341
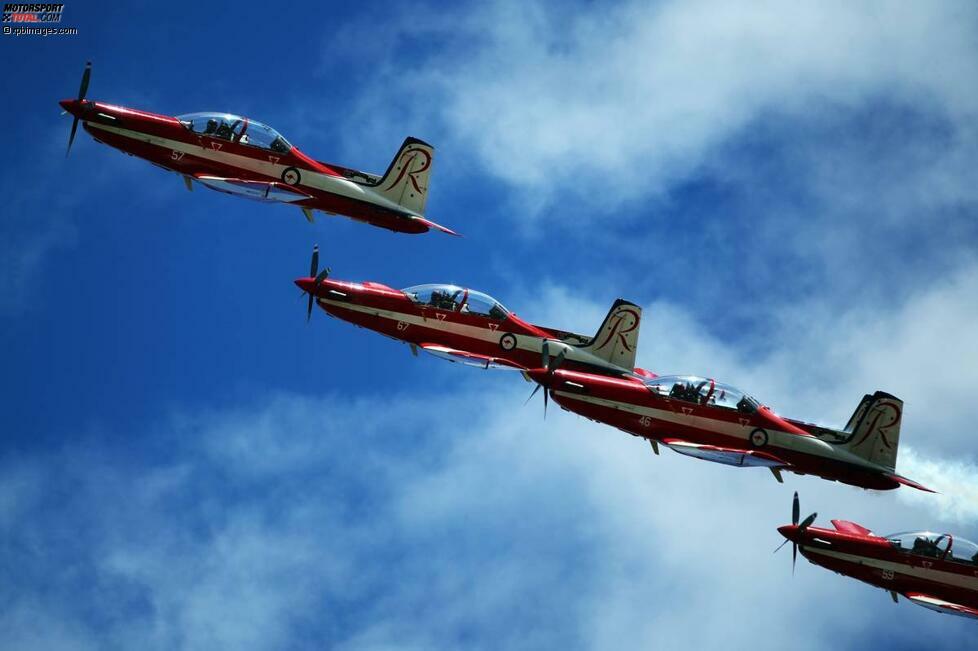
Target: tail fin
x=874, y=429
x=406, y=180
x=617, y=339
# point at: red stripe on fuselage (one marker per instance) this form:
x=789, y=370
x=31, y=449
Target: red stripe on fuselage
x=900, y=563
x=635, y=393
x=435, y=325
x=185, y=162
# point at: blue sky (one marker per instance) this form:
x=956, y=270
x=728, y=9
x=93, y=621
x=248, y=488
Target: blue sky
x=186, y=463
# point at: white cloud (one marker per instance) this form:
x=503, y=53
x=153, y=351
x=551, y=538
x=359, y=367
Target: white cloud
x=463, y=519
x=607, y=104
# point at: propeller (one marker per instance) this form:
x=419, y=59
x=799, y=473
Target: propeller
x=82, y=91
x=551, y=364
x=320, y=276
x=807, y=522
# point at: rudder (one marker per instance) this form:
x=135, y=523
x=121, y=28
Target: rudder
x=406, y=180
x=875, y=429
x=617, y=339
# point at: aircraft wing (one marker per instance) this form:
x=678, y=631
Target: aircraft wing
x=470, y=359
x=941, y=606
x=258, y=190
x=726, y=456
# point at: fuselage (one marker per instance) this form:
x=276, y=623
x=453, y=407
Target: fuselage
x=500, y=339
x=286, y=175
x=708, y=431
x=876, y=561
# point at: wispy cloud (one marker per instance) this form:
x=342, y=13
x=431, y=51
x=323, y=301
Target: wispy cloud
x=603, y=105
x=423, y=520
x=286, y=523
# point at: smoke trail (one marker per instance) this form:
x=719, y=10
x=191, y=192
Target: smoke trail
x=955, y=481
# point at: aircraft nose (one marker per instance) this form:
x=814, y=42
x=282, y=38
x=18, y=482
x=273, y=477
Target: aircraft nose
x=70, y=105
x=789, y=531
x=305, y=284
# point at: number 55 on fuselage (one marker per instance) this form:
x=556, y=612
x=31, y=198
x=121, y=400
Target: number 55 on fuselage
x=466, y=326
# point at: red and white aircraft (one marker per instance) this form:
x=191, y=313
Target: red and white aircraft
x=705, y=419
x=239, y=156
x=936, y=571
x=467, y=326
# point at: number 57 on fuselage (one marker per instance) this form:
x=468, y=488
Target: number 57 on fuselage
x=239, y=156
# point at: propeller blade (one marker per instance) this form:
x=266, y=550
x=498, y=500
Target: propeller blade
x=532, y=394
x=794, y=557
x=71, y=138
x=558, y=361
x=546, y=354
x=786, y=541
x=319, y=277
x=323, y=275
x=807, y=522
x=314, y=267
x=545, y=404
x=795, y=509
x=86, y=76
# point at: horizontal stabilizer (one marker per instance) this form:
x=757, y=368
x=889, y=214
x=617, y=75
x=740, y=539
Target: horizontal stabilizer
x=909, y=482
x=469, y=359
x=271, y=191
x=437, y=227
x=726, y=456
x=941, y=606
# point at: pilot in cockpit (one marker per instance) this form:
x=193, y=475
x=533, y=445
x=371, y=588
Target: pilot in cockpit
x=211, y=127
x=745, y=406
x=442, y=300
x=279, y=145
x=223, y=131
x=925, y=547
x=684, y=391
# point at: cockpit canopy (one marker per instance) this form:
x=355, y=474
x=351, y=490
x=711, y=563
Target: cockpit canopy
x=236, y=129
x=702, y=391
x=457, y=299
x=940, y=546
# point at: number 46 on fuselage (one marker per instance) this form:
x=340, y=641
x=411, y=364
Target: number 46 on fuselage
x=239, y=156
